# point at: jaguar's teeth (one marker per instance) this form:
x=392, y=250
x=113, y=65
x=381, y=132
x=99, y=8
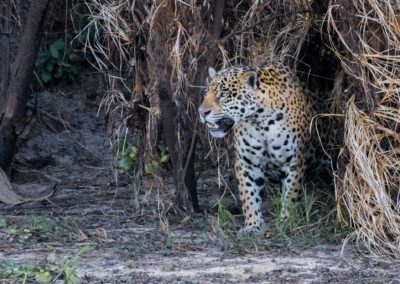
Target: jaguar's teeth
x=211, y=125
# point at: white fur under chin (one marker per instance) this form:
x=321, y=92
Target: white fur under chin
x=217, y=134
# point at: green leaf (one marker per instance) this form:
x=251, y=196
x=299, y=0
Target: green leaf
x=45, y=76
x=43, y=277
x=58, y=44
x=49, y=67
x=54, y=52
x=133, y=152
x=41, y=60
x=73, y=57
x=65, y=64
x=164, y=158
x=5, y=274
x=162, y=147
x=3, y=222
x=13, y=231
x=121, y=147
x=125, y=163
x=24, y=270
x=7, y=269
x=150, y=168
x=59, y=73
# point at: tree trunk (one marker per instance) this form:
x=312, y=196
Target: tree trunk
x=177, y=118
x=14, y=86
x=171, y=114
x=206, y=60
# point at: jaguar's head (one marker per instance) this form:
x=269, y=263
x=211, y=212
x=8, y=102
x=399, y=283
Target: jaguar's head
x=229, y=99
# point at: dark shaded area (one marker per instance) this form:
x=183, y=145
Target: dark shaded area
x=14, y=92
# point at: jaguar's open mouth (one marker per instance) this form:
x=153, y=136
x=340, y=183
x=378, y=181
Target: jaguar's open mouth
x=220, y=127
x=211, y=125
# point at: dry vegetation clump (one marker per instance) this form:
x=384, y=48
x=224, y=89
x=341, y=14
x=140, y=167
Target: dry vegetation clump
x=155, y=56
x=365, y=36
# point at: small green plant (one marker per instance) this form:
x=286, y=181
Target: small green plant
x=300, y=220
x=134, y=188
x=224, y=218
x=38, y=226
x=69, y=272
x=126, y=154
x=3, y=222
x=41, y=273
x=313, y=218
x=6, y=270
x=19, y=233
x=163, y=150
x=168, y=243
x=151, y=166
x=68, y=268
x=332, y=229
x=42, y=225
x=58, y=61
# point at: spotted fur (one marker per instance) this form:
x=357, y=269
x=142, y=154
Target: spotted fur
x=270, y=115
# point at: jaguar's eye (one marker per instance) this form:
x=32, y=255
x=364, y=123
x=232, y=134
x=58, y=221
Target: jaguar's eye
x=223, y=92
x=222, y=95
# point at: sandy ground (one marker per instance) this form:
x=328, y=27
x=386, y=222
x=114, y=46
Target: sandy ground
x=67, y=152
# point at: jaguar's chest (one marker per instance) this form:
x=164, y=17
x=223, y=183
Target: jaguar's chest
x=270, y=145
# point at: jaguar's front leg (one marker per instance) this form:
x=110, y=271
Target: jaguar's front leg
x=251, y=181
x=292, y=185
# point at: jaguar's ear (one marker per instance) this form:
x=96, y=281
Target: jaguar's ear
x=251, y=78
x=211, y=72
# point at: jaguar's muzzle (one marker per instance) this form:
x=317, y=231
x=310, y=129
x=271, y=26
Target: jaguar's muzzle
x=220, y=127
x=225, y=124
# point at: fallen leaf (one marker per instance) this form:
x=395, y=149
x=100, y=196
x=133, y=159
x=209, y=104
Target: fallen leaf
x=101, y=233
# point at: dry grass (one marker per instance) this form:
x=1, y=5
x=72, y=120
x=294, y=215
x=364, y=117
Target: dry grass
x=369, y=180
x=9, y=15
x=364, y=36
x=369, y=187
